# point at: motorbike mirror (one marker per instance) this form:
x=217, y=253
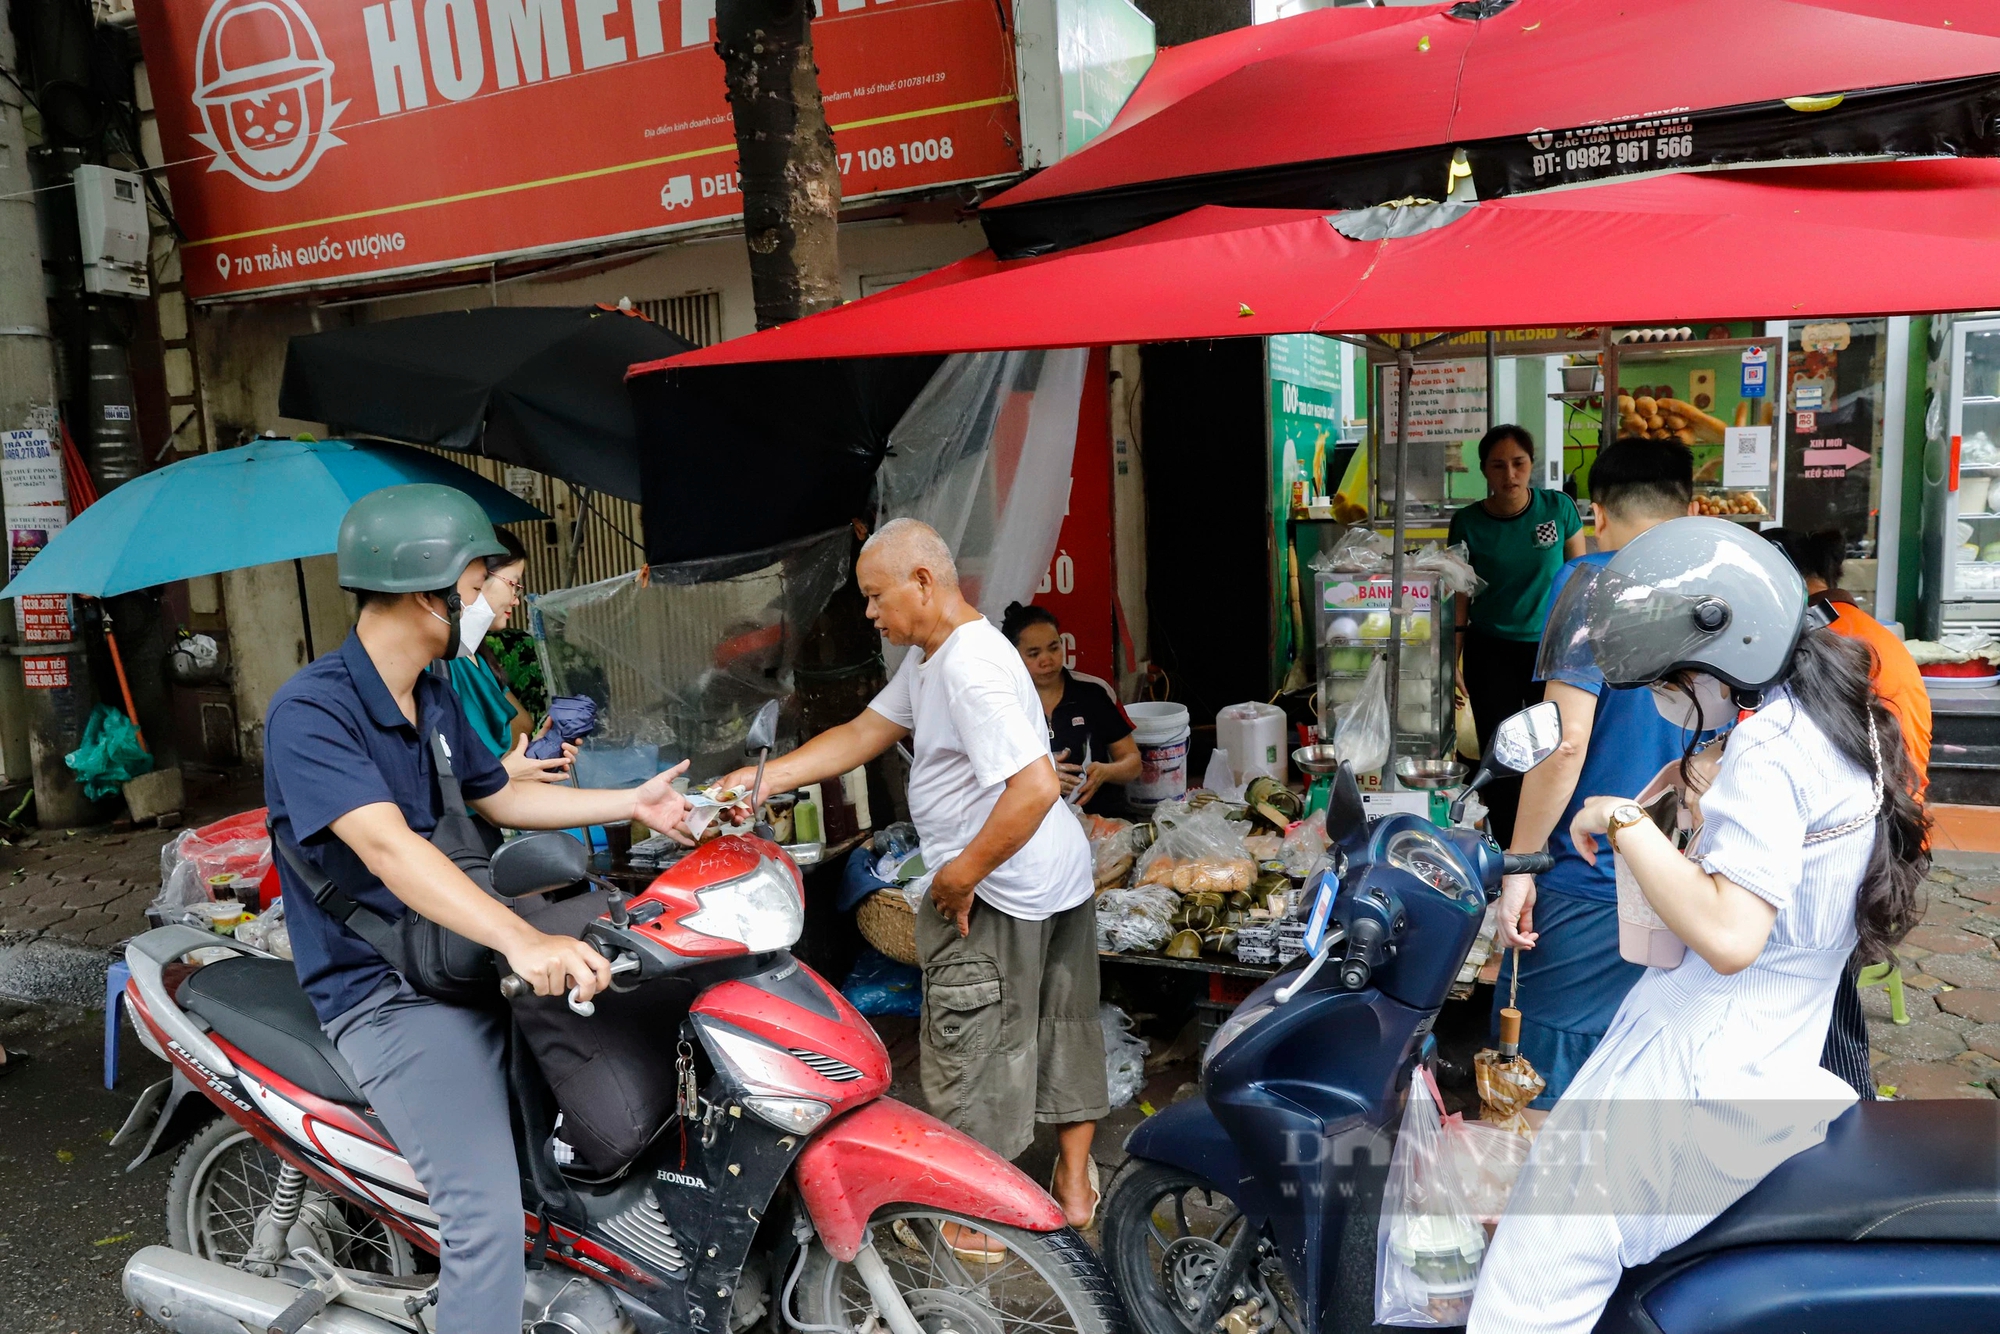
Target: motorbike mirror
x=535, y=863
x=763, y=733
x=1526, y=739
x=1346, y=816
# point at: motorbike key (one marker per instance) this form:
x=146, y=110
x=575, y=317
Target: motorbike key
x=687, y=1095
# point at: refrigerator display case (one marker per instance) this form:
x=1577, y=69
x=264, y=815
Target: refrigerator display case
x=1972, y=497
x=1719, y=397
x=1353, y=634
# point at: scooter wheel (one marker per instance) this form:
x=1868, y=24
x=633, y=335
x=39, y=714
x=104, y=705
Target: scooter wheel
x=1033, y=1282
x=1165, y=1235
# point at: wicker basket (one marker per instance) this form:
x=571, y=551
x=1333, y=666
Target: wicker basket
x=888, y=923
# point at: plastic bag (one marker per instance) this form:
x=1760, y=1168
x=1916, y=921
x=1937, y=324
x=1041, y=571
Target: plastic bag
x=879, y=985
x=1359, y=550
x=1361, y=726
x=1124, y=1055
x=1114, y=846
x=110, y=755
x=1202, y=853
x=1136, y=919
x=1429, y=1243
x=1304, y=845
x=1220, y=777
x=267, y=931
x=235, y=846
x=1452, y=564
x=1485, y=1160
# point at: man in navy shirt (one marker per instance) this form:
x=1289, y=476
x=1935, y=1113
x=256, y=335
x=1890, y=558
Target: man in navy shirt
x=348, y=776
x=1565, y=921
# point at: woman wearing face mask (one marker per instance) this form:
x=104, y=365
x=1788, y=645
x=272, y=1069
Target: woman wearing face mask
x=479, y=683
x=1811, y=850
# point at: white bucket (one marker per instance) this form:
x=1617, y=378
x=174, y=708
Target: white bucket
x=1254, y=735
x=1162, y=733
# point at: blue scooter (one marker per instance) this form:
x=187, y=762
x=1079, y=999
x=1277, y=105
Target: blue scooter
x=1255, y=1206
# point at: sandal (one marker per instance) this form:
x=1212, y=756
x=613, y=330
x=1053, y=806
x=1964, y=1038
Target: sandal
x=1096, y=1188
x=993, y=1252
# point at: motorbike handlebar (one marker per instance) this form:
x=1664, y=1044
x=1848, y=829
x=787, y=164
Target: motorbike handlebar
x=513, y=986
x=1526, y=863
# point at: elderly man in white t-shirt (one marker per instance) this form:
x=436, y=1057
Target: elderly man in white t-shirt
x=1008, y=938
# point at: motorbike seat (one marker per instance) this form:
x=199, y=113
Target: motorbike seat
x=1887, y=1171
x=258, y=1007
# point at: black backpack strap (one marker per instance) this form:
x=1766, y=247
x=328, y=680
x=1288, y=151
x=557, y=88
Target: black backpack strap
x=342, y=907
x=447, y=778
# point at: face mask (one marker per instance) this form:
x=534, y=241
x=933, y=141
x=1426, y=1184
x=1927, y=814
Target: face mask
x=473, y=623
x=1711, y=707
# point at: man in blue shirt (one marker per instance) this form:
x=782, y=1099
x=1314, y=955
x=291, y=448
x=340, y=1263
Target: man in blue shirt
x=1565, y=921
x=350, y=782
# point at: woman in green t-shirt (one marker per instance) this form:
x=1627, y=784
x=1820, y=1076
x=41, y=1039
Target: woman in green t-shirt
x=1518, y=537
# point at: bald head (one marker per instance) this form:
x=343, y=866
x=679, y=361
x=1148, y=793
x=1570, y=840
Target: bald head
x=901, y=547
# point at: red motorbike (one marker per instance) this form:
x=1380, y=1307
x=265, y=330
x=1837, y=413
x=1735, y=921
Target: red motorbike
x=783, y=1190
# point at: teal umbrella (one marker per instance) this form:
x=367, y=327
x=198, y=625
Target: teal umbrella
x=270, y=500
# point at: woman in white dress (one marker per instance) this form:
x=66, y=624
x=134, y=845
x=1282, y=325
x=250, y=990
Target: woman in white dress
x=1811, y=849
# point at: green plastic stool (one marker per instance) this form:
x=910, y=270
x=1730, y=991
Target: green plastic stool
x=1878, y=974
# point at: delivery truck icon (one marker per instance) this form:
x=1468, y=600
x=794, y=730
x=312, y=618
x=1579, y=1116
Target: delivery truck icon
x=677, y=193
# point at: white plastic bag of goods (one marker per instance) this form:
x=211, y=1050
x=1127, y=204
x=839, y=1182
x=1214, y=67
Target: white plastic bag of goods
x=983, y=456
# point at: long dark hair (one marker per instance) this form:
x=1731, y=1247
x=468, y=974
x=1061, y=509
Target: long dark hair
x=1830, y=678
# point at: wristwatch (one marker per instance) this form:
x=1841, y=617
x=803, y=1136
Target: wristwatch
x=1627, y=813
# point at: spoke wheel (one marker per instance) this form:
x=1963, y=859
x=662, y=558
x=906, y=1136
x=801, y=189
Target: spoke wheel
x=224, y=1180
x=1043, y=1283
x=1165, y=1234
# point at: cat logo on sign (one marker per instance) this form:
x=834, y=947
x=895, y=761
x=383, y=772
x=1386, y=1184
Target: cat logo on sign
x=265, y=92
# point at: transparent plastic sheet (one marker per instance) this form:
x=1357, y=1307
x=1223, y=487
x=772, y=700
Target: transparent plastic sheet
x=678, y=658
x=1136, y=919
x=1124, y=1055
x=983, y=456
x=1429, y=1243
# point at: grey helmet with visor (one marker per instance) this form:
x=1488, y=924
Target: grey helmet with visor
x=1694, y=594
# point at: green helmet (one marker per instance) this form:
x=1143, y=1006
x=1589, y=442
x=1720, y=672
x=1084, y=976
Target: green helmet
x=415, y=538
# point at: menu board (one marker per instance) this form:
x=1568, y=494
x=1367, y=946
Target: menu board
x=1447, y=401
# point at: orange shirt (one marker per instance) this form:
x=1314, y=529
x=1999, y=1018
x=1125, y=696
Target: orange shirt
x=1897, y=680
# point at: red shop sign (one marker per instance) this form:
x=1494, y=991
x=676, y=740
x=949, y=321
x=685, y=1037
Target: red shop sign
x=45, y=673
x=317, y=141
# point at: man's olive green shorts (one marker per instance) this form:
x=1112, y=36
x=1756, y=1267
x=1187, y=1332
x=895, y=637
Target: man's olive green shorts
x=1010, y=1029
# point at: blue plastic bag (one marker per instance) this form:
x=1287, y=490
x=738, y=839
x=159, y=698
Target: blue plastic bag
x=881, y=986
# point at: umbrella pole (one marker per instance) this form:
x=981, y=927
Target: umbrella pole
x=1405, y=367
x=124, y=686
x=305, y=607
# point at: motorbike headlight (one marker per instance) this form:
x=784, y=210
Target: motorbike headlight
x=760, y=911
x=801, y=1116
x=1234, y=1027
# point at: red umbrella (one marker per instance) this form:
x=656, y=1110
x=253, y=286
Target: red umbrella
x=1347, y=108
x=1790, y=243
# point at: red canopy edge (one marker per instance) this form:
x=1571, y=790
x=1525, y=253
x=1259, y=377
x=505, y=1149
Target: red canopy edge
x=1784, y=243
x=1350, y=83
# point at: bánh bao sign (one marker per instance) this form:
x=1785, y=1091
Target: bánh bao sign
x=318, y=141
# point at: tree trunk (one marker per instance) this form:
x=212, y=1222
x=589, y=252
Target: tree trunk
x=791, y=179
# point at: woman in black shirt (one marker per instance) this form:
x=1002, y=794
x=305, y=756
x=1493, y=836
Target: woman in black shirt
x=1089, y=734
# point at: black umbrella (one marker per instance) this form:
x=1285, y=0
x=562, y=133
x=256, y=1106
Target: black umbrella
x=541, y=386
x=742, y=457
